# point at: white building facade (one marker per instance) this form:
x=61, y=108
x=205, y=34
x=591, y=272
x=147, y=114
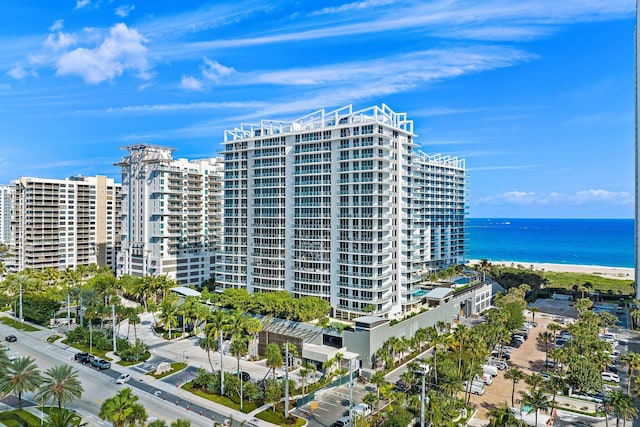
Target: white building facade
x=171, y=217
x=5, y=214
x=341, y=206
x=64, y=223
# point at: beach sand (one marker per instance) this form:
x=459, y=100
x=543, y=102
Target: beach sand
x=612, y=272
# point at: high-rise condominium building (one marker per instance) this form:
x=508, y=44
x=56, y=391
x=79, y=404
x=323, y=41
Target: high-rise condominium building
x=339, y=205
x=5, y=214
x=171, y=216
x=64, y=223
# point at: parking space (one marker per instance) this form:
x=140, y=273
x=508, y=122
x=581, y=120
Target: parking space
x=331, y=404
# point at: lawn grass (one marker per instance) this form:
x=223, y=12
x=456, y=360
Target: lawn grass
x=598, y=283
x=16, y=324
x=17, y=418
x=175, y=367
x=247, y=406
x=101, y=354
x=144, y=358
x=53, y=338
x=277, y=417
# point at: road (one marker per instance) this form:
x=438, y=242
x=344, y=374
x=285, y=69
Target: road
x=170, y=405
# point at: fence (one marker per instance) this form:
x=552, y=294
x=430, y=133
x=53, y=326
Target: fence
x=335, y=383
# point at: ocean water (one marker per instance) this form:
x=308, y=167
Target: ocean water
x=606, y=242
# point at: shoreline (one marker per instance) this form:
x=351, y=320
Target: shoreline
x=622, y=273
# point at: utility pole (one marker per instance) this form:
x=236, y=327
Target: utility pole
x=81, y=311
x=221, y=361
x=21, y=319
x=113, y=320
x=286, y=379
x=422, y=402
x=350, y=392
x=68, y=312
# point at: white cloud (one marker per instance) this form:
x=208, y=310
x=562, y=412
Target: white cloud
x=82, y=3
x=123, y=49
x=124, y=10
x=582, y=197
x=213, y=70
x=185, y=107
x=17, y=72
x=60, y=40
x=57, y=25
x=349, y=7
x=190, y=83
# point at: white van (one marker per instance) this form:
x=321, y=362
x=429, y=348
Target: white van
x=491, y=370
x=476, y=388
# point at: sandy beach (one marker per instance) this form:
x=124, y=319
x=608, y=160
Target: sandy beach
x=613, y=272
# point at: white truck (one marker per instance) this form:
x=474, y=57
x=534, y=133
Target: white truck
x=489, y=369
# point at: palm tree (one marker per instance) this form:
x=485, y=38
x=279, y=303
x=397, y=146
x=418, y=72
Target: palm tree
x=22, y=377
x=157, y=423
x=461, y=335
x=208, y=343
x=63, y=418
x=623, y=406
x=537, y=400
x=484, y=266
x=216, y=325
x=274, y=357
x=515, y=375
x=632, y=361
x=378, y=380
x=253, y=326
x=533, y=311
x=503, y=416
x=181, y=423
x=61, y=384
x=546, y=339
x=123, y=410
x=169, y=312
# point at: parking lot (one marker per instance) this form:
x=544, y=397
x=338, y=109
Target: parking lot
x=331, y=404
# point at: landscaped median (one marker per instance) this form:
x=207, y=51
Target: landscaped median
x=22, y=326
x=175, y=367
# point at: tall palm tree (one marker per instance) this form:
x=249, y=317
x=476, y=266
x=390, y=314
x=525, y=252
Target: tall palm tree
x=533, y=311
x=253, y=326
x=537, y=400
x=623, y=406
x=461, y=335
x=61, y=384
x=169, y=312
x=123, y=410
x=216, y=325
x=515, y=375
x=484, y=266
x=208, y=344
x=21, y=377
x=632, y=361
x=546, y=340
x=378, y=380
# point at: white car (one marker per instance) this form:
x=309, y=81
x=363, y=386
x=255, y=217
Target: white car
x=124, y=378
x=362, y=409
x=610, y=376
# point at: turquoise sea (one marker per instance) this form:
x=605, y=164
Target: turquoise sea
x=606, y=242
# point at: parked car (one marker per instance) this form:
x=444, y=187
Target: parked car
x=545, y=376
x=124, y=378
x=611, y=377
x=553, y=364
x=515, y=343
x=619, y=310
x=245, y=376
x=100, y=364
x=505, y=356
x=401, y=386
x=343, y=422
x=500, y=364
x=83, y=357
x=490, y=369
x=362, y=409
x=518, y=337
x=612, y=368
x=10, y=338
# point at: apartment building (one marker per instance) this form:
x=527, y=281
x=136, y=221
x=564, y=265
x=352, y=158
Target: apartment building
x=5, y=214
x=64, y=223
x=171, y=217
x=339, y=205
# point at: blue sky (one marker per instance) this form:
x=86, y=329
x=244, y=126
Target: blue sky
x=536, y=95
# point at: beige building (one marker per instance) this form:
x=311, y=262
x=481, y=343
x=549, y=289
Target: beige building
x=64, y=223
x=172, y=215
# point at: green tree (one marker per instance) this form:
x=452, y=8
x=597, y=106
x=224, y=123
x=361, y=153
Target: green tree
x=123, y=409
x=60, y=384
x=169, y=312
x=546, y=340
x=631, y=360
x=537, y=400
x=64, y=418
x=208, y=344
x=272, y=392
x=515, y=375
x=21, y=377
x=157, y=423
x=274, y=358
x=181, y=423
x=623, y=406
x=503, y=416
x=533, y=311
